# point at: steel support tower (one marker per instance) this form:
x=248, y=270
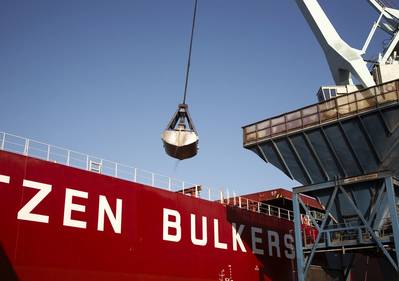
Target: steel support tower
x=345, y=152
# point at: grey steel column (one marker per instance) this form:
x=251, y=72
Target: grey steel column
x=298, y=238
x=394, y=217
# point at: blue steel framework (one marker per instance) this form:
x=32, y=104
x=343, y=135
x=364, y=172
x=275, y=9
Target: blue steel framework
x=345, y=151
x=376, y=225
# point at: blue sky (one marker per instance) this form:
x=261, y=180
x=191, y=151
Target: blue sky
x=105, y=77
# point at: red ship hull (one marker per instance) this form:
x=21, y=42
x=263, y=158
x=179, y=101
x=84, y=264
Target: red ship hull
x=62, y=223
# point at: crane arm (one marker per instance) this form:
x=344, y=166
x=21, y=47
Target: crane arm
x=342, y=59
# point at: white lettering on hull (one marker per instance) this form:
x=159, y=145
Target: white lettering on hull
x=25, y=213
x=218, y=244
x=70, y=206
x=237, y=237
x=167, y=225
x=172, y=231
x=114, y=219
x=289, y=245
x=172, y=223
x=256, y=240
x=204, y=240
x=4, y=179
x=273, y=242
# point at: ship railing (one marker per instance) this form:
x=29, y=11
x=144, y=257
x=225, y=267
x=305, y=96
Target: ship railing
x=322, y=113
x=267, y=209
x=258, y=207
x=60, y=155
x=342, y=233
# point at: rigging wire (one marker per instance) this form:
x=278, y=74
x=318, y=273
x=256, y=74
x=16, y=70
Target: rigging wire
x=189, y=53
x=390, y=3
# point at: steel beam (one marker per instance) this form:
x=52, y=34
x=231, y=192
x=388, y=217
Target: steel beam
x=309, y=214
x=369, y=139
x=393, y=147
x=323, y=224
x=334, y=153
x=394, y=216
x=377, y=204
x=298, y=237
x=284, y=164
x=352, y=180
x=303, y=166
x=370, y=230
x=351, y=149
x=384, y=121
x=316, y=156
x=262, y=153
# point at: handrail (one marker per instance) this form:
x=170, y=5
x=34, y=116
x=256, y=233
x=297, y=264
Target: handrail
x=342, y=233
x=60, y=155
x=267, y=209
x=322, y=113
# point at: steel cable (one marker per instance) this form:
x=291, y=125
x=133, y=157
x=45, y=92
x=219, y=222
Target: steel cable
x=189, y=53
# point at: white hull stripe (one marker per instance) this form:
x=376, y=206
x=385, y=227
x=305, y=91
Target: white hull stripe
x=4, y=179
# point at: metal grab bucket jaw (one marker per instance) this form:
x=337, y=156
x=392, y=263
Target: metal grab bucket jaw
x=180, y=139
x=180, y=144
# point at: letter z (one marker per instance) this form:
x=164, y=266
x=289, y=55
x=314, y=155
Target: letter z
x=25, y=213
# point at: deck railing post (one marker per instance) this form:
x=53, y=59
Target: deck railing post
x=3, y=141
x=239, y=201
x=48, y=153
x=26, y=148
x=153, y=180
x=169, y=184
x=68, y=156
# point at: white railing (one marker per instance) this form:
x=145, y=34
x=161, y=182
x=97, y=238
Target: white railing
x=259, y=207
x=56, y=154
x=267, y=209
x=60, y=155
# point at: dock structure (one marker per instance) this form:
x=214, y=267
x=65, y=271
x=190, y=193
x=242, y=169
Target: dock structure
x=345, y=152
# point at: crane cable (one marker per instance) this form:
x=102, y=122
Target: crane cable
x=189, y=53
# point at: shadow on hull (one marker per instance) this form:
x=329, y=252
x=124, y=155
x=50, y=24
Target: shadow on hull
x=7, y=272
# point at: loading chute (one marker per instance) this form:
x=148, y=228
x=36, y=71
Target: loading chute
x=180, y=139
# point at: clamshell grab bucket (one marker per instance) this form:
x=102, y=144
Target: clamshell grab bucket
x=180, y=139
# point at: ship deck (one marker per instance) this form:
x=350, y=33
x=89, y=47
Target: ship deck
x=55, y=154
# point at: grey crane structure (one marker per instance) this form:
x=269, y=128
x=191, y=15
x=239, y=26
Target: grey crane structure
x=344, y=150
x=355, y=207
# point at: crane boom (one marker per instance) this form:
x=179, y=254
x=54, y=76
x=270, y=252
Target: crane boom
x=342, y=59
